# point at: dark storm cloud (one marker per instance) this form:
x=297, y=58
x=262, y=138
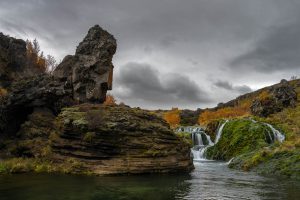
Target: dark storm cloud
x=143, y=82
x=242, y=89
x=278, y=50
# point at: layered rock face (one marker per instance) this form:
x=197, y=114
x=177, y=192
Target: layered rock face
x=90, y=69
x=84, y=77
x=118, y=139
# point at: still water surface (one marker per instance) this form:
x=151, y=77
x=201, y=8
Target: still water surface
x=209, y=180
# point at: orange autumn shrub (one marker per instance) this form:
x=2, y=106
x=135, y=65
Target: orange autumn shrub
x=36, y=58
x=241, y=110
x=264, y=95
x=110, y=100
x=172, y=117
x=3, y=92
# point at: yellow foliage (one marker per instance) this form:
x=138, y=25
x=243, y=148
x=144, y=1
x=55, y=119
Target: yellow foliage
x=264, y=95
x=241, y=110
x=34, y=56
x=172, y=117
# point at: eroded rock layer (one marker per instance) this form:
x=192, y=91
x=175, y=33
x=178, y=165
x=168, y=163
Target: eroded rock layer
x=117, y=139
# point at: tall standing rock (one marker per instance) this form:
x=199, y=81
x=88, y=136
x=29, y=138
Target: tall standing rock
x=90, y=69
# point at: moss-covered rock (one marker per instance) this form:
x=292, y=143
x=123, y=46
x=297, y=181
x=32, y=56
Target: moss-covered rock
x=118, y=139
x=239, y=136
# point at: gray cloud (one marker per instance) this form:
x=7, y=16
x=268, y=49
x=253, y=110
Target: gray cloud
x=242, y=89
x=200, y=40
x=278, y=50
x=142, y=82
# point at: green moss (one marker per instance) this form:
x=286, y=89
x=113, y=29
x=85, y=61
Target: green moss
x=22, y=165
x=153, y=153
x=239, y=136
x=3, y=168
x=89, y=136
x=185, y=138
x=73, y=116
x=268, y=161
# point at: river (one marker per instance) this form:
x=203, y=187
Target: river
x=209, y=180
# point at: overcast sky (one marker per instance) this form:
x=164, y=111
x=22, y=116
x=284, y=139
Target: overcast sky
x=172, y=53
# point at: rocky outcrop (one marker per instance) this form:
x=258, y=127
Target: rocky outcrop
x=14, y=64
x=114, y=139
x=90, y=69
x=84, y=77
x=56, y=123
x=276, y=99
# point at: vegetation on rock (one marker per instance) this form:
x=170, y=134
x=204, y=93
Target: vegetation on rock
x=239, y=136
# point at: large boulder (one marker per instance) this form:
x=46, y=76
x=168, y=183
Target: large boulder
x=90, y=69
x=274, y=99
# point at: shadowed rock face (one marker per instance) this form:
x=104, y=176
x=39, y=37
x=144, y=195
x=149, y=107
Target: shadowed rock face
x=84, y=77
x=90, y=69
x=14, y=64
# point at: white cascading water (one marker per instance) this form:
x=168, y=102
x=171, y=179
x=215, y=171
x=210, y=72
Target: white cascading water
x=200, y=145
x=277, y=134
x=199, y=149
x=219, y=133
x=199, y=155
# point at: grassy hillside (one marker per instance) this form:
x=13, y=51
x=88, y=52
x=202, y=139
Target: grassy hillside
x=245, y=142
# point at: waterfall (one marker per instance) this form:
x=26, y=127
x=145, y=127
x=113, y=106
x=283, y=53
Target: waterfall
x=198, y=152
x=200, y=147
x=197, y=138
x=277, y=134
x=219, y=133
x=202, y=141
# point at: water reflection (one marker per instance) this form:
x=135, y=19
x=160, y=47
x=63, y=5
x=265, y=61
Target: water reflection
x=209, y=180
